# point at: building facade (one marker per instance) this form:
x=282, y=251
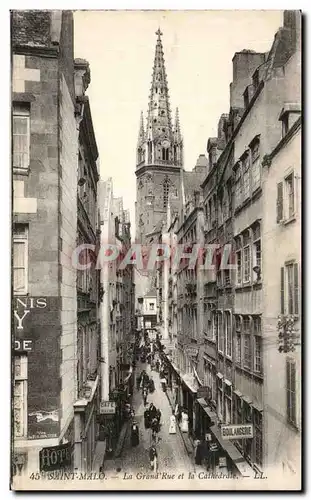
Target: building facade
x=48, y=133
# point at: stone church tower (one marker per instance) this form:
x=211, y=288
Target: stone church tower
x=159, y=156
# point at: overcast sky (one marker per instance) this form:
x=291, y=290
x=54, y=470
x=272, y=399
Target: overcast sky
x=198, y=50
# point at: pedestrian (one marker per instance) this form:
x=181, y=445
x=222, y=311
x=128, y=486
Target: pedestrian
x=147, y=418
x=184, y=426
x=138, y=381
x=199, y=451
x=134, y=434
x=163, y=383
x=172, y=428
x=157, y=365
x=154, y=427
x=158, y=415
x=151, y=385
x=152, y=411
x=153, y=458
x=145, y=394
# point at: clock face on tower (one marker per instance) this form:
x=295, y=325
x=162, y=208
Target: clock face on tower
x=165, y=144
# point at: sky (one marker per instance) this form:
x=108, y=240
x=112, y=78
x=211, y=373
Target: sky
x=198, y=50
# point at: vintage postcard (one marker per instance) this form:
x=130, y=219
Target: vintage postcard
x=156, y=250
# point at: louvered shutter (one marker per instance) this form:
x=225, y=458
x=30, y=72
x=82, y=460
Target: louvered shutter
x=279, y=202
x=296, y=290
x=282, y=290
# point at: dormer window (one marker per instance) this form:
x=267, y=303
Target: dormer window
x=288, y=116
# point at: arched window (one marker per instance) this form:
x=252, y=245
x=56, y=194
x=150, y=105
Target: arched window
x=139, y=155
x=175, y=153
x=165, y=156
x=149, y=152
x=166, y=188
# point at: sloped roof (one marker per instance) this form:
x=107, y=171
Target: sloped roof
x=151, y=293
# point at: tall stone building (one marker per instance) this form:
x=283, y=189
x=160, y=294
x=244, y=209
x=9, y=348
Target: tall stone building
x=159, y=155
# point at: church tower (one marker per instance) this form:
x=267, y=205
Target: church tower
x=159, y=156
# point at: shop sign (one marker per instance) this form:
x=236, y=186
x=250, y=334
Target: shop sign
x=55, y=457
x=222, y=462
x=237, y=431
x=107, y=408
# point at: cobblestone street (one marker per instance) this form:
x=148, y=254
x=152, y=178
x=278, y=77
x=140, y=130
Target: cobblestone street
x=172, y=455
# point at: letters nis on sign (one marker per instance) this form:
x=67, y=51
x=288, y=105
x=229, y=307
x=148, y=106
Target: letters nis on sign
x=107, y=407
x=55, y=457
x=243, y=431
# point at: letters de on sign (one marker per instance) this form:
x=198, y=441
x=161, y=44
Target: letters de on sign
x=107, y=408
x=55, y=457
x=242, y=431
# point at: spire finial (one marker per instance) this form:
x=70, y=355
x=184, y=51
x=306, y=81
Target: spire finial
x=159, y=33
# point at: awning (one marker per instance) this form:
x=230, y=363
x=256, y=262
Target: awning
x=228, y=382
x=202, y=402
x=257, y=406
x=190, y=382
x=204, y=405
x=247, y=399
x=128, y=375
x=220, y=375
x=238, y=393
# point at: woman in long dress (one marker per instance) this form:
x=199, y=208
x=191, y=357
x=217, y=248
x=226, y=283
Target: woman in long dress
x=184, y=422
x=172, y=428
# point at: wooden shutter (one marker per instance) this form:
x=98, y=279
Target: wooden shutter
x=282, y=290
x=296, y=290
x=279, y=202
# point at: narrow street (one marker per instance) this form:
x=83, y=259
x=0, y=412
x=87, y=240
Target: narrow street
x=172, y=455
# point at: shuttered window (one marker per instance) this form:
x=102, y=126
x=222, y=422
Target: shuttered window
x=21, y=135
x=279, y=202
x=282, y=291
x=291, y=391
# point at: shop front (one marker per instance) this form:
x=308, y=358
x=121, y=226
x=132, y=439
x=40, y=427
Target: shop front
x=227, y=456
x=86, y=427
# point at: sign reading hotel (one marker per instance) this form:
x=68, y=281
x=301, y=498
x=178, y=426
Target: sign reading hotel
x=242, y=431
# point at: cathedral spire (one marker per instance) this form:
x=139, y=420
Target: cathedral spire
x=159, y=124
x=141, y=135
x=177, y=133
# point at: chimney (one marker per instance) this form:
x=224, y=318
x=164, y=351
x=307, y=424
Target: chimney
x=244, y=65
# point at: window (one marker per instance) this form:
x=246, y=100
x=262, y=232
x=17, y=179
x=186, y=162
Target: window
x=239, y=266
x=256, y=172
x=220, y=333
x=238, y=348
x=246, y=177
x=238, y=410
x=291, y=391
x=247, y=353
x=165, y=153
x=20, y=396
x=247, y=264
x=228, y=403
x=285, y=203
x=257, y=417
x=257, y=325
x=219, y=398
x=257, y=354
x=151, y=306
x=228, y=334
x=289, y=182
x=214, y=326
x=290, y=289
x=21, y=136
x=165, y=192
x=20, y=259
x=238, y=187
x=256, y=253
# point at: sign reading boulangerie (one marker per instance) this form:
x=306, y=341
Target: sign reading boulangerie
x=237, y=431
